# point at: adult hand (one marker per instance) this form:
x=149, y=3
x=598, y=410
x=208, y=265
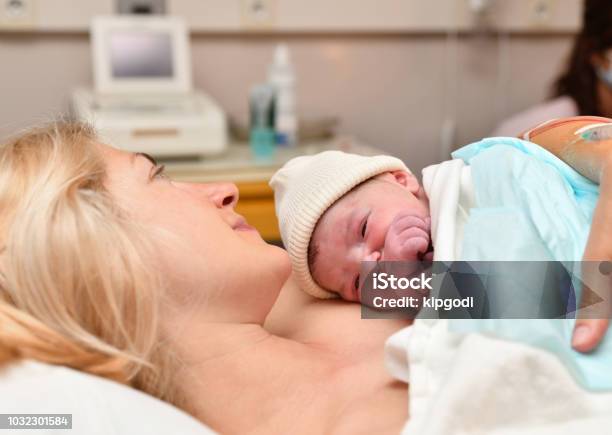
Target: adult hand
x=594, y=161
x=588, y=333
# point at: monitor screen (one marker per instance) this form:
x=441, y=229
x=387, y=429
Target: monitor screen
x=139, y=54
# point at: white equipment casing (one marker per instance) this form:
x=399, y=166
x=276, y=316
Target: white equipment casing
x=189, y=125
x=143, y=99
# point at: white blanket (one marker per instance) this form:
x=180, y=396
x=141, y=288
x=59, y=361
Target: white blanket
x=476, y=384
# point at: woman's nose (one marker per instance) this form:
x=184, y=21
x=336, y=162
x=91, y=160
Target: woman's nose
x=223, y=195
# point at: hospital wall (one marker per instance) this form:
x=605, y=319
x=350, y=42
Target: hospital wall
x=393, y=91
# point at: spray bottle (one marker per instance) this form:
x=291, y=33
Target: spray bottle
x=282, y=77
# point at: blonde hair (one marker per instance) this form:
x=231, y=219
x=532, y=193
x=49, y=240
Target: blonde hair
x=75, y=289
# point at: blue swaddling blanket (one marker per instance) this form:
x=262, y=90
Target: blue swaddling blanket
x=531, y=206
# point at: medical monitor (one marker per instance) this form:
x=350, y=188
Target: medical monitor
x=140, y=55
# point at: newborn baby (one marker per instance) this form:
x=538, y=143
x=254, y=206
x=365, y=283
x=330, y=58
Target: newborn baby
x=336, y=210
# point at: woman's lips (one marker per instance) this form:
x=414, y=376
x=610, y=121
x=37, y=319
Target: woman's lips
x=242, y=225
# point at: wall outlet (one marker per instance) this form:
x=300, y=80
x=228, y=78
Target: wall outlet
x=258, y=13
x=541, y=12
x=18, y=14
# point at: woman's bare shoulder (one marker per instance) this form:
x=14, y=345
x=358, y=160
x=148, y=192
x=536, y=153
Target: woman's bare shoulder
x=358, y=345
x=338, y=323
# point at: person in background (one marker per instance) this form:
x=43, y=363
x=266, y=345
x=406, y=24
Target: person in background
x=585, y=87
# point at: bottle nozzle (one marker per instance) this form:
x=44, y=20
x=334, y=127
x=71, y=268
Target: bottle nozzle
x=281, y=55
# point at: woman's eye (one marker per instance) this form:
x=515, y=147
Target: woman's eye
x=357, y=282
x=159, y=172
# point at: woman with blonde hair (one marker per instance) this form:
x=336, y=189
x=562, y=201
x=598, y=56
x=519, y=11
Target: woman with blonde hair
x=75, y=289
x=109, y=268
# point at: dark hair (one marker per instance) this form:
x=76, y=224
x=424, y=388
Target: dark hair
x=313, y=253
x=579, y=81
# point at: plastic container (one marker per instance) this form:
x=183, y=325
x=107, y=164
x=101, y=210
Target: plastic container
x=282, y=77
x=262, y=136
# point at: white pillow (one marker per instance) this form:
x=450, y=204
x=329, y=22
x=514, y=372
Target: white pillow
x=97, y=405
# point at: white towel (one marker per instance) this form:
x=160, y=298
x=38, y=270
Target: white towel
x=451, y=195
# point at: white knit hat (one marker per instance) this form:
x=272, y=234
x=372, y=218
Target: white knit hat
x=306, y=187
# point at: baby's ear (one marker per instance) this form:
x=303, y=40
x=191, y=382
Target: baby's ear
x=406, y=179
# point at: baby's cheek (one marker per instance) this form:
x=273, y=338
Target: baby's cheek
x=323, y=276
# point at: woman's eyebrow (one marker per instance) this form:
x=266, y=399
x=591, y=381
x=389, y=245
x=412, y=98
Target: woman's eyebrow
x=151, y=159
x=148, y=157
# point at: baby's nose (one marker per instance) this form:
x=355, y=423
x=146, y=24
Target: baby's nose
x=373, y=256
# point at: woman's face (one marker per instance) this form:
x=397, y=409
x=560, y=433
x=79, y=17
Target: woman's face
x=211, y=260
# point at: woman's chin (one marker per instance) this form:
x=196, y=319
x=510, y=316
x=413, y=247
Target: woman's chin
x=267, y=256
x=284, y=260
x=283, y=263
x=248, y=233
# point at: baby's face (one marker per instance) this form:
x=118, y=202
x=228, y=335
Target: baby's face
x=385, y=218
